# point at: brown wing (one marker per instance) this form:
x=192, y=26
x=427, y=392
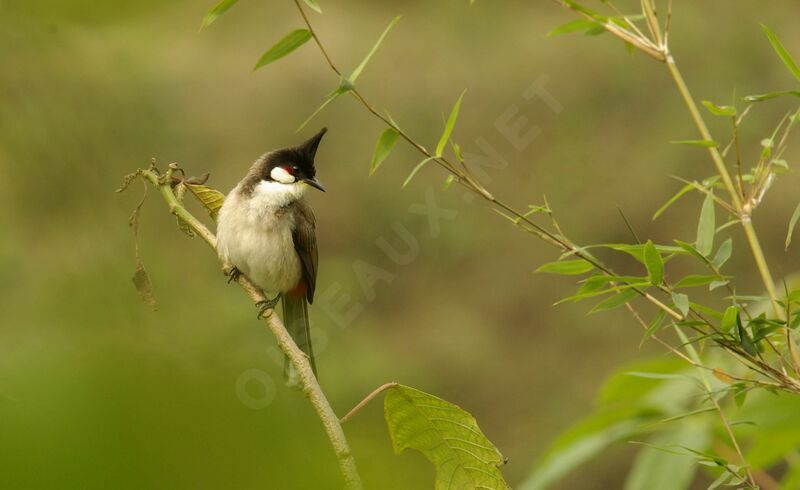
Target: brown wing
x=305, y=244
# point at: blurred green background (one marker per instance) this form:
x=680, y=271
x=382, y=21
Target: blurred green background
x=98, y=392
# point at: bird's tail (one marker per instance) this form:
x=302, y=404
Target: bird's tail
x=295, y=317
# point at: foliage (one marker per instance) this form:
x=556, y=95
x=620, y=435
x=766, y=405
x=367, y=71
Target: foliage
x=685, y=425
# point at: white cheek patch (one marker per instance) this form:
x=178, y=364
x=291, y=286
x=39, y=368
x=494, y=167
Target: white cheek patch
x=278, y=174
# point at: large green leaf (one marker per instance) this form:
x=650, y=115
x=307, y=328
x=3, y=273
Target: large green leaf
x=289, y=43
x=445, y=434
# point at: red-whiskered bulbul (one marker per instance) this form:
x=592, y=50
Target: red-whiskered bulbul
x=265, y=230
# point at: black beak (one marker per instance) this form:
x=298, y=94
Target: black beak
x=313, y=182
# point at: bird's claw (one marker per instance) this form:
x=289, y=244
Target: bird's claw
x=264, y=306
x=233, y=274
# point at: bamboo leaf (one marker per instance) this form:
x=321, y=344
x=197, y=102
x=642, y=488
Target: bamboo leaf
x=566, y=267
x=448, y=127
x=654, y=264
x=575, y=26
x=681, y=302
x=289, y=43
x=415, y=170
x=653, y=326
x=357, y=72
x=615, y=301
x=792, y=224
x=341, y=90
x=383, y=147
x=717, y=110
x=447, y=435
x=723, y=253
x=313, y=5
x=216, y=11
x=772, y=95
x=691, y=281
x=684, y=190
x=783, y=54
x=744, y=338
x=706, y=227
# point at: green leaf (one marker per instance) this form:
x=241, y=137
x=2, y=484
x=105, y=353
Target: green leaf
x=313, y=5
x=448, y=181
x=615, y=301
x=567, y=267
x=216, y=11
x=654, y=264
x=448, y=127
x=744, y=338
x=684, y=190
x=574, y=26
x=783, y=54
x=341, y=90
x=384, y=146
x=729, y=319
x=702, y=143
x=447, y=435
x=681, y=302
x=211, y=199
x=692, y=281
x=723, y=111
x=357, y=72
x=415, y=170
x=580, y=444
x=654, y=326
x=654, y=469
x=706, y=227
x=772, y=95
x=289, y=43
x=792, y=224
x=723, y=253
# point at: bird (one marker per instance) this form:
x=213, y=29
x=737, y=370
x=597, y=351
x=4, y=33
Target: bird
x=266, y=230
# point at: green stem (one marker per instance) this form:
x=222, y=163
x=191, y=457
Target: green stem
x=744, y=214
x=310, y=385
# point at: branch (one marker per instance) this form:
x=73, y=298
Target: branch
x=308, y=381
x=525, y=223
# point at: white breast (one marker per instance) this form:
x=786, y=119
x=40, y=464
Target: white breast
x=254, y=233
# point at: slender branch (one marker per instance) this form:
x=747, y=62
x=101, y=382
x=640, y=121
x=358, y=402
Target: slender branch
x=308, y=381
x=523, y=221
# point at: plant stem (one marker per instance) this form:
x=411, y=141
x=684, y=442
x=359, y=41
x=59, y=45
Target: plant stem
x=744, y=214
x=310, y=385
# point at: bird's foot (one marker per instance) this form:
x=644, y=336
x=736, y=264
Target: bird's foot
x=233, y=274
x=264, y=306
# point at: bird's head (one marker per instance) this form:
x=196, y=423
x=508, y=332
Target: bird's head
x=294, y=165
